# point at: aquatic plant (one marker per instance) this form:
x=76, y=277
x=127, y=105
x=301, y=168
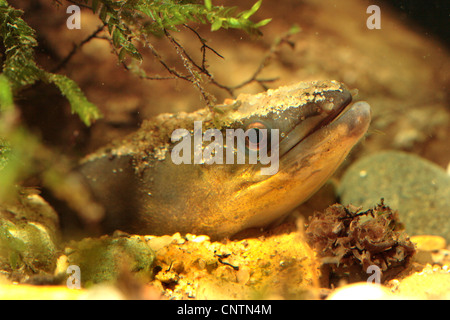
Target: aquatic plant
x=348, y=242
x=20, y=68
x=126, y=23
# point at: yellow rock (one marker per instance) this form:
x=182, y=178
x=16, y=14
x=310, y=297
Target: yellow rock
x=362, y=291
x=429, y=242
x=430, y=283
x=28, y=292
x=280, y=264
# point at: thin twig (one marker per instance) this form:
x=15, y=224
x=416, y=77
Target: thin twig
x=76, y=48
x=254, y=78
x=195, y=69
x=189, y=64
x=266, y=59
x=163, y=63
x=204, y=47
x=146, y=77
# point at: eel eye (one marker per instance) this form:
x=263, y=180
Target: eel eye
x=257, y=136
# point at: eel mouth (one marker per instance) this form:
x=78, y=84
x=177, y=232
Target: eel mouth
x=308, y=127
x=342, y=128
x=333, y=116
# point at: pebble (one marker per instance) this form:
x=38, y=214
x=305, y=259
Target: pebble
x=29, y=237
x=432, y=282
x=417, y=188
x=104, y=259
x=363, y=291
x=429, y=243
x=156, y=243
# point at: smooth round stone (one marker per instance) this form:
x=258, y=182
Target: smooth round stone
x=429, y=243
x=417, y=188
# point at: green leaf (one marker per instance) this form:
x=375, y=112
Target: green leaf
x=262, y=23
x=122, y=54
x=135, y=54
x=217, y=24
x=208, y=5
x=295, y=28
x=103, y=13
x=253, y=9
x=94, y=5
x=117, y=37
x=5, y=153
x=6, y=96
x=111, y=26
x=234, y=23
x=87, y=111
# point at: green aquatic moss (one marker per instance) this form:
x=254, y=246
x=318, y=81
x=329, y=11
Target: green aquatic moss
x=10, y=247
x=29, y=236
x=29, y=247
x=128, y=20
x=6, y=96
x=105, y=258
x=21, y=70
x=4, y=153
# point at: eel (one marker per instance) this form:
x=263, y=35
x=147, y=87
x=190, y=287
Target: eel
x=148, y=186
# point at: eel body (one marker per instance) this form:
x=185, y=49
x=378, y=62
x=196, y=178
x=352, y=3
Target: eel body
x=182, y=173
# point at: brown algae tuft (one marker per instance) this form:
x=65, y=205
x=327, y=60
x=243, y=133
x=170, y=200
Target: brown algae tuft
x=348, y=242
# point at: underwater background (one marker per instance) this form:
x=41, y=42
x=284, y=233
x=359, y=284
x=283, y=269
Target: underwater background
x=401, y=68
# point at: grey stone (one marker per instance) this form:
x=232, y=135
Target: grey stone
x=417, y=188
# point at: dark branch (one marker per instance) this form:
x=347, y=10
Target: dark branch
x=76, y=48
x=189, y=64
x=164, y=64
